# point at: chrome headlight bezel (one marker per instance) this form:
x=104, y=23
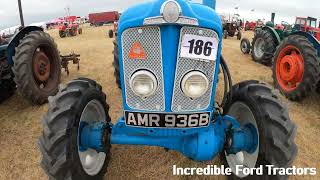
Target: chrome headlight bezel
x=144, y=74
x=187, y=77
x=168, y=15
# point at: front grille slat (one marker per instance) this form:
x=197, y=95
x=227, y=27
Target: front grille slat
x=184, y=65
x=149, y=38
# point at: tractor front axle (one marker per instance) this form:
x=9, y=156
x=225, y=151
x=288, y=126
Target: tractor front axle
x=198, y=145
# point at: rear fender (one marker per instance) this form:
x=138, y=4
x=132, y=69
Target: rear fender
x=311, y=38
x=16, y=40
x=274, y=33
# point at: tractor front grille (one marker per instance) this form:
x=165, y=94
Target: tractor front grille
x=149, y=37
x=179, y=101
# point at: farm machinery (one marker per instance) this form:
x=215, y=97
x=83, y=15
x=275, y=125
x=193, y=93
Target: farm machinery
x=232, y=28
x=168, y=59
x=293, y=52
x=114, y=31
x=69, y=29
x=30, y=62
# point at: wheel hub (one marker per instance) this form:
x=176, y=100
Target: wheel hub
x=41, y=66
x=290, y=68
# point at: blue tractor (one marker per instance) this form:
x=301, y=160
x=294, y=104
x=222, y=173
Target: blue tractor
x=29, y=62
x=169, y=54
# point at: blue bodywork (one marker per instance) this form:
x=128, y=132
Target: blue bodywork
x=197, y=143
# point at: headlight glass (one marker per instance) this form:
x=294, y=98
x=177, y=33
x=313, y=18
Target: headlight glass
x=171, y=11
x=194, y=84
x=143, y=83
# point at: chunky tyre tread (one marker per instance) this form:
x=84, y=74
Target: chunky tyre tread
x=57, y=141
x=116, y=64
x=23, y=72
x=311, y=77
x=246, y=41
x=270, y=47
x=277, y=131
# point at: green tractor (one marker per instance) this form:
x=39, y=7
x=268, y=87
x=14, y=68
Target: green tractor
x=293, y=52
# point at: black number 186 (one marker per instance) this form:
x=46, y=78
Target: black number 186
x=199, y=47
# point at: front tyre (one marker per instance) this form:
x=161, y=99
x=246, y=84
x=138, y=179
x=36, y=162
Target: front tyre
x=81, y=101
x=245, y=46
x=110, y=33
x=7, y=88
x=225, y=34
x=239, y=35
x=255, y=103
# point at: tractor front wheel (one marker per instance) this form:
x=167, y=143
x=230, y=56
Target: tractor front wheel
x=245, y=46
x=296, y=68
x=62, y=34
x=263, y=47
x=81, y=102
x=239, y=35
x=110, y=33
x=255, y=103
x=225, y=34
x=37, y=67
x=7, y=88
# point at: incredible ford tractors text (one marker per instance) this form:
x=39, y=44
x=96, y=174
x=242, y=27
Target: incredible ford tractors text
x=169, y=56
x=30, y=62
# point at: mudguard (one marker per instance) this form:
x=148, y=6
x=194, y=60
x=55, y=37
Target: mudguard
x=274, y=34
x=16, y=39
x=311, y=38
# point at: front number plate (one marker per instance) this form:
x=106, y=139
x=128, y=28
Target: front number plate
x=199, y=47
x=162, y=120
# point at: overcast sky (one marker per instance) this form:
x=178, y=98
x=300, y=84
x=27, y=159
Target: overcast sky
x=44, y=10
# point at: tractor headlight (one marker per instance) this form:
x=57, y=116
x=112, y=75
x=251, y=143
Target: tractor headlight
x=194, y=84
x=143, y=83
x=171, y=11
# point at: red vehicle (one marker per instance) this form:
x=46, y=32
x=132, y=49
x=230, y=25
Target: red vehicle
x=69, y=29
x=252, y=25
x=308, y=24
x=98, y=19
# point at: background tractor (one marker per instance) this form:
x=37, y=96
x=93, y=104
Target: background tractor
x=69, y=29
x=293, y=52
x=169, y=61
x=232, y=28
x=30, y=62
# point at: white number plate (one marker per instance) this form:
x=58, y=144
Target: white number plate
x=199, y=47
x=164, y=120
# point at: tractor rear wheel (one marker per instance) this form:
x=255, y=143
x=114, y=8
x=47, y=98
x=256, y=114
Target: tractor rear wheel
x=116, y=63
x=80, y=102
x=256, y=103
x=37, y=67
x=245, y=46
x=7, y=88
x=296, y=68
x=263, y=47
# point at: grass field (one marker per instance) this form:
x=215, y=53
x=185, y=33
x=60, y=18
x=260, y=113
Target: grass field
x=20, y=124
